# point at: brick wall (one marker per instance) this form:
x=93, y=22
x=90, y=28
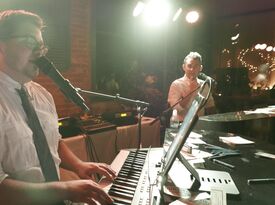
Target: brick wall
x=79, y=73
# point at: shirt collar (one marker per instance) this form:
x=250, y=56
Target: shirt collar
x=11, y=83
x=190, y=82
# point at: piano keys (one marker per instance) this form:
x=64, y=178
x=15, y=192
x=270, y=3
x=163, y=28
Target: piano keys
x=137, y=171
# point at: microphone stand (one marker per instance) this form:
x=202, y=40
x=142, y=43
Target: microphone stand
x=139, y=104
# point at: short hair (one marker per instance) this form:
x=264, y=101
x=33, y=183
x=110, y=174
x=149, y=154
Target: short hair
x=10, y=19
x=193, y=55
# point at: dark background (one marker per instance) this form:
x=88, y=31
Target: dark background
x=100, y=46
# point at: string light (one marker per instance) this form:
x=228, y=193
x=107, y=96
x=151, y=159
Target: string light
x=244, y=62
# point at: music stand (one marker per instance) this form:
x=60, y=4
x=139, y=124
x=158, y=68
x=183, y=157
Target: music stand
x=175, y=149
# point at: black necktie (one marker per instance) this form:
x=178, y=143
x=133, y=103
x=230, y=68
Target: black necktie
x=42, y=148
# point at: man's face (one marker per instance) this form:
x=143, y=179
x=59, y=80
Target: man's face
x=20, y=49
x=192, y=67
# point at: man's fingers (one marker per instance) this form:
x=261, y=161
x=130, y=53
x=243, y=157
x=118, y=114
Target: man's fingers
x=107, y=171
x=99, y=194
x=90, y=201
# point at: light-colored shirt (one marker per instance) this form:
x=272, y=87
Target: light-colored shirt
x=18, y=157
x=186, y=89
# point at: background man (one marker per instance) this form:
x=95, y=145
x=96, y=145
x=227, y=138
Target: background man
x=187, y=86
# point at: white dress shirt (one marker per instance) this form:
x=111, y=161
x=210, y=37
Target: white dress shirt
x=187, y=89
x=18, y=157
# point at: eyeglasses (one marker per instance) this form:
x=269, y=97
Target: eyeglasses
x=31, y=42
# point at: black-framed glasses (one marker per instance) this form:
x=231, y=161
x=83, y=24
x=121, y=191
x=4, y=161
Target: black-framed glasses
x=31, y=42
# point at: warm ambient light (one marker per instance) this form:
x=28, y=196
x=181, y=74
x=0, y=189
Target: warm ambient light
x=192, y=16
x=264, y=47
x=247, y=55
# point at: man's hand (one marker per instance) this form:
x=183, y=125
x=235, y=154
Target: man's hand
x=86, y=169
x=86, y=191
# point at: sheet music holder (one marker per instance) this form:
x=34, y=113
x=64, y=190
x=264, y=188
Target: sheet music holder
x=174, y=150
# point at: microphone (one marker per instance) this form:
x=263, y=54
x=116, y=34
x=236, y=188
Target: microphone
x=203, y=76
x=48, y=68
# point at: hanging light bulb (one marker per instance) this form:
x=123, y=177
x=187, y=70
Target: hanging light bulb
x=192, y=16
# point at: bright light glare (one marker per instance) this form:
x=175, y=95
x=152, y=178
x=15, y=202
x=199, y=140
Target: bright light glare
x=177, y=14
x=269, y=48
x=138, y=9
x=263, y=46
x=192, y=16
x=258, y=46
x=156, y=12
x=233, y=38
